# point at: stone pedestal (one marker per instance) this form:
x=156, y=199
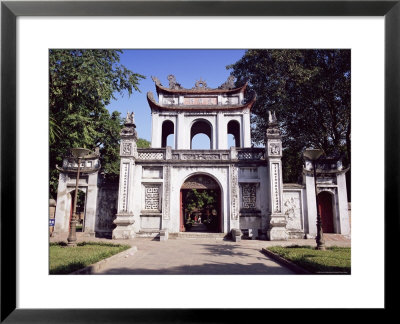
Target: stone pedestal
x=124, y=229
x=163, y=235
x=236, y=235
x=277, y=228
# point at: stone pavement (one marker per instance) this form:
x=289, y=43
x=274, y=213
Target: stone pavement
x=199, y=256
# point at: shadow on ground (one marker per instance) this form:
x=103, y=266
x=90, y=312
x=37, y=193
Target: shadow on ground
x=203, y=269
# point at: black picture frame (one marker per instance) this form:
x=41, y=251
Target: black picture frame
x=10, y=10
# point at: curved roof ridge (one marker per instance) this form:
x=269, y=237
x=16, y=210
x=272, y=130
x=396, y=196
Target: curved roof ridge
x=177, y=88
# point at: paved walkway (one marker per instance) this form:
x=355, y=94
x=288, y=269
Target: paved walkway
x=198, y=256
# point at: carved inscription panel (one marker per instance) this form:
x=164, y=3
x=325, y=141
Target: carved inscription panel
x=292, y=209
x=200, y=101
x=276, y=197
x=124, y=189
x=234, y=192
x=126, y=148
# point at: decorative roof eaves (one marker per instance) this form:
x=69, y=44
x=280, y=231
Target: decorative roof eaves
x=154, y=105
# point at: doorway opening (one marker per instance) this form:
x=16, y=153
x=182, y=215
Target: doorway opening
x=200, y=198
x=80, y=210
x=325, y=207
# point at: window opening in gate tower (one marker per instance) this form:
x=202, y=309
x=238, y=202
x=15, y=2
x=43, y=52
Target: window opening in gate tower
x=234, y=133
x=201, y=135
x=168, y=135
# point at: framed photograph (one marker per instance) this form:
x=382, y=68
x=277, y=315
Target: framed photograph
x=29, y=28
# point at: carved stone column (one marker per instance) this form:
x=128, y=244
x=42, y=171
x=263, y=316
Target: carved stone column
x=128, y=152
x=273, y=153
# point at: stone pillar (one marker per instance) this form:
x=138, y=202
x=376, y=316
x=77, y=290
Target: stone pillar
x=62, y=216
x=311, y=210
x=91, y=204
x=156, y=130
x=222, y=136
x=181, y=137
x=128, y=152
x=273, y=153
x=343, y=204
x=246, y=129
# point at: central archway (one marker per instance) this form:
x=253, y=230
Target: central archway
x=200, y=205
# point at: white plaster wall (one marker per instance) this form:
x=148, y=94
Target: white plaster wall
x=178, y=177
x=91, y=204
x=136, y=196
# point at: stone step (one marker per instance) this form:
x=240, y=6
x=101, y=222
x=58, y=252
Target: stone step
x=148, y=233
x=197, y=235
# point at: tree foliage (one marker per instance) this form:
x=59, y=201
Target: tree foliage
x=81, y=85
x=310, y=92
x=197, y=200
x=142, y=143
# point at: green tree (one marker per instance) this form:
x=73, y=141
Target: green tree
x=310, y=92
x=81, y=85
x=142, y=143
x=199, y=199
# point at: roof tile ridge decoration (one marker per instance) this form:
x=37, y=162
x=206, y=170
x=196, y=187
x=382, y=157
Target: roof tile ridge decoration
x=156, y=106
x=200, y=86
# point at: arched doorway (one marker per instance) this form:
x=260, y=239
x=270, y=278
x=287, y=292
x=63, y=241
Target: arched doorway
x=200, y=205
x=325, y=208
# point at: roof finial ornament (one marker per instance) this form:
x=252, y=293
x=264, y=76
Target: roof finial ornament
x=130, y=118
x=156, y=80
x=200, y=85
x=172, y=82
x=271, y=117
x=228, y=84
x=272, y=126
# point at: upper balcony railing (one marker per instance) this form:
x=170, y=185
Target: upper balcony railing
x=234, y=154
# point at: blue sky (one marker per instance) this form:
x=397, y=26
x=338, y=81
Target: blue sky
x=188, y=66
